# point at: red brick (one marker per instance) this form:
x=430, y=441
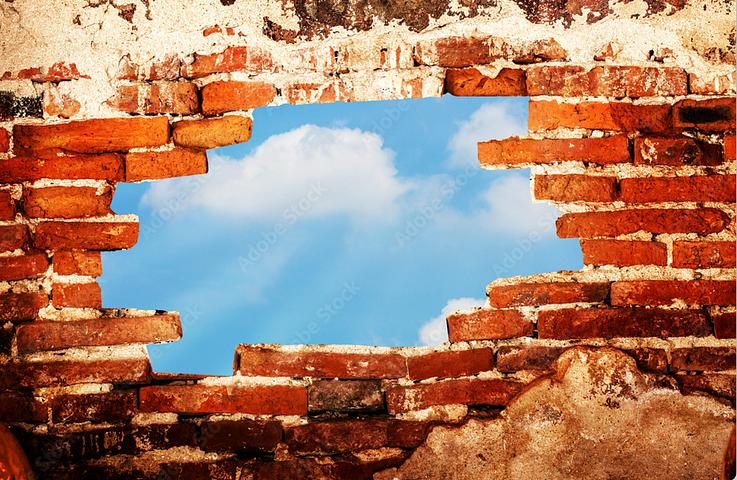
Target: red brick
x=713, y=188
x=711, y=115
x=724, y=324
x=719, y=384
x=77, y=295
x=58, y=72
x=55, y=335
x=460, y=363
x=702, y=221
x=515, y=358
x=86, y=235
x=345, y=395
x=213, y=132
x=730, y=147
x=496, y=392
x=7, y=334
x=163, y=68
x=529, y=294
x=572, y=323
x=60, y=371
x=172, y=97
x=224, y=96
x=616, y=116
x=467, y=51
x=327, y=438
x=20, y=407
x=178, y=162
x=234, y=59
x=77, y=262
x=704, y=254
x=250, y=436
x=94, y=136
x=665, y=292
x=4, y=140
x=66, y=202
x=649, y=359
x=703, y=359
x=256, y=360
x=523, y=151
x=575, y=188
x=196, y=399
x=711, y=84
x=7, y=206
x=469, y=82
x=623, y=253
x=19, y=307
x=93, y=167
x=488, y=324
x=23, y=266
x=674, y=151
x=114, y=406
x=302, y=93
x=606, y=81
x=13, y=237
x=60, y=104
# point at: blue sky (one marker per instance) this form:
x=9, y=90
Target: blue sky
x=347, y=223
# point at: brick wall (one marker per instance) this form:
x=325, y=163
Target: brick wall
x=637, y=152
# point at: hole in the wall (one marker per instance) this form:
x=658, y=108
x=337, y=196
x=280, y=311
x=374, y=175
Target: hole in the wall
x=343, y=224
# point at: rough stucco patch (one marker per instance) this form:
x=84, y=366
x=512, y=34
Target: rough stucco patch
x=596, y=417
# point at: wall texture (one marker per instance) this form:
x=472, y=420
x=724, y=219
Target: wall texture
x=625, y=369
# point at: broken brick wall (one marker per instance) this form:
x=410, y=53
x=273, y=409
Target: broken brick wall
x=631, y=135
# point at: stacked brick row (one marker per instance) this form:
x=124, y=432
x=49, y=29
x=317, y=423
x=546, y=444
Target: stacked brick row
x=648, y=186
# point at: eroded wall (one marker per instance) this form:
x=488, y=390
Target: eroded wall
x=591, y=374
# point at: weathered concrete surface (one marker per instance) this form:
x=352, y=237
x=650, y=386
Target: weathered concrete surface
x=596, y=417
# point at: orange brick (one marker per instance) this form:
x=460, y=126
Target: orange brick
x=456, y=52
x=573, y=323
x=76, y=295
x=606, y=81
x=77, y=262
x=730, y=148
x=711, y=84
x=213, y=132
x=20, y=267
x=66, y=202
x=60, y=104
x=4, y=140
x=62, y=371
x=256, y=360
x=674, y=151
x=714, y=188
x=530, y=294
x=515, y=151
x=94, y=136
x=13, y=237
x=469, y=82
x=488, y=324
x=711, y=115
x=702, y=221
x=7, y=206
x=108, y=166
x=177, y=162
x=301, y=93
x=234, y=59
x=54, y=335
x=450, y=364
x=704, y=254
x=198, y=399
x=223, y=96
x=575, y=188
x=616, y=116
x=402, y=399
x=665, y=292
x=173, y=97
x=20, y=307
x=86, y=235
x=623, y=253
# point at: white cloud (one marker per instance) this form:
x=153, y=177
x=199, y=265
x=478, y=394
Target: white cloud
x=435, y=331
x=490, y=121
x=307, y=171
